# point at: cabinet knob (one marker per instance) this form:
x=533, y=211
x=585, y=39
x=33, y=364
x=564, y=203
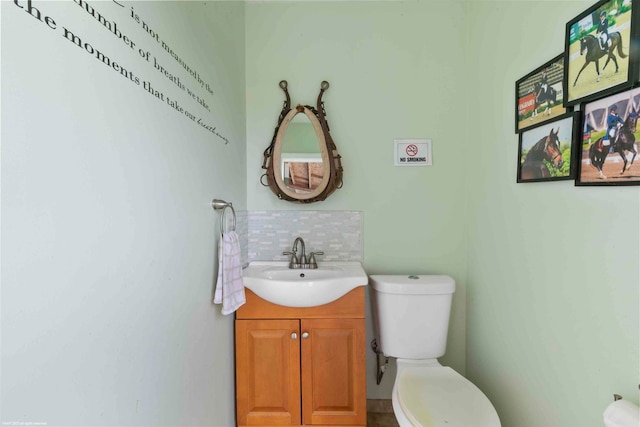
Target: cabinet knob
x=305, y=335
x=294, y=336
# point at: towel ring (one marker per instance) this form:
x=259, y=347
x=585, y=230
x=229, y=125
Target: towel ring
x=219, y=204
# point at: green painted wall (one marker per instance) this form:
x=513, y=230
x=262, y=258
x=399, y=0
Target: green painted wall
x=108, y=236
x=552, y=270
x=395, y=71
x=545, y=318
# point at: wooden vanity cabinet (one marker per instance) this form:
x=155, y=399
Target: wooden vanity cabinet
x=301, y=366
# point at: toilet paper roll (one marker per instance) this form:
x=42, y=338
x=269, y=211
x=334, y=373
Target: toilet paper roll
x=622, y=413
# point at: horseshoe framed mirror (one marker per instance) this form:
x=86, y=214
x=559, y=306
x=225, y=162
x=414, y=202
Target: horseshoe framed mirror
x=302, y=163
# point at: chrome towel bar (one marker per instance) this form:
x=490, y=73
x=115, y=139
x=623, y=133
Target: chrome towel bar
x=219, y=204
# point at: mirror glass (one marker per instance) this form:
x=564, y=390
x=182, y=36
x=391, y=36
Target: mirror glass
x=301, y=164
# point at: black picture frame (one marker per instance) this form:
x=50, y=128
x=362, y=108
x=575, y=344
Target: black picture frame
x=535, y=105
x=582, y=81
x=538, y=161
x=597, y=167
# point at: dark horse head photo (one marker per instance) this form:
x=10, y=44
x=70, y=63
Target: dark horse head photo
x=609, y=147
x=597, y=50
x=545, y=152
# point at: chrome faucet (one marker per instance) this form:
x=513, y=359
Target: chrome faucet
x=301, y=260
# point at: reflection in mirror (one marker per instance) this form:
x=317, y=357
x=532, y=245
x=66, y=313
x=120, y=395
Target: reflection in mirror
x=302, y=162
x=302, y=172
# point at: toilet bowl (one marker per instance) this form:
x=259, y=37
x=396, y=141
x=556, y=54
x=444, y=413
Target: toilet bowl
x=411, y=316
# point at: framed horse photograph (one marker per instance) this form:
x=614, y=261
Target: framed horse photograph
x=540, y=95
x=609, y=134
x=546, y=151
x=598, y=58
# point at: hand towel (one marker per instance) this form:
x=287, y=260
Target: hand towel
x=229, y=287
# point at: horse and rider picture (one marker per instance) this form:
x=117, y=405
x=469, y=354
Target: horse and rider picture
x=609, y=151
x=597, y=51
x=540, y=95
x=546, y=152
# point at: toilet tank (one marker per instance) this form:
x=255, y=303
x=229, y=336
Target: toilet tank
x=411, y=314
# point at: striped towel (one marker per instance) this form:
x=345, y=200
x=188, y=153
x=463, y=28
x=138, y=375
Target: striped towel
x=229, y=287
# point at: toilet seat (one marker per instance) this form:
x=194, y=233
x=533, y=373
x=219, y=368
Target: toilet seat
x=438, y=396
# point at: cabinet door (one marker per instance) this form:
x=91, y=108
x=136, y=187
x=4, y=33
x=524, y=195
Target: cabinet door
x=268, y=372
x=333, y=371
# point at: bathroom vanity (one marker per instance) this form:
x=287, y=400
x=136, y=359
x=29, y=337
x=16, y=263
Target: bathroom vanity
x=301, y=365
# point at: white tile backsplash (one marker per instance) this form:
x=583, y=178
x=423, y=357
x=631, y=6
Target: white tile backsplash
x=336, y=233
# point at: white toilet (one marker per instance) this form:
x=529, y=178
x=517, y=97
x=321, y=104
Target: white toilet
x=412, y=320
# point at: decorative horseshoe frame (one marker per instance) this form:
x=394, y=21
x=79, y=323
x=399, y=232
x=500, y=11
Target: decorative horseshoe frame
x=332, y=178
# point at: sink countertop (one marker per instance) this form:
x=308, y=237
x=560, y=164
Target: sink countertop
x=275, y=282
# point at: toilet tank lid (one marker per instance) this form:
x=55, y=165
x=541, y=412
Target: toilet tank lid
x=413, y=284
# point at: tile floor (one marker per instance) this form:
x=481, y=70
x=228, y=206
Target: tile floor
x=380, y=413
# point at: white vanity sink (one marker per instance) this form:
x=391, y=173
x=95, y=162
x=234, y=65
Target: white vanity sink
x=275, y=282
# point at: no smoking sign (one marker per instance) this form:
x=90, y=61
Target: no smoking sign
x=413, y=152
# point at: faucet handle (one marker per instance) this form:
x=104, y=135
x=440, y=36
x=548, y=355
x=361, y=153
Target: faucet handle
x=312, y=259
x=294, y=259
